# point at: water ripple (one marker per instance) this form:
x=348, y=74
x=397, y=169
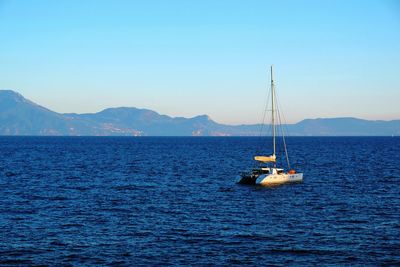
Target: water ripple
x=173, y=201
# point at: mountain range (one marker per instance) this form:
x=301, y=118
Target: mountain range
x=20, y=116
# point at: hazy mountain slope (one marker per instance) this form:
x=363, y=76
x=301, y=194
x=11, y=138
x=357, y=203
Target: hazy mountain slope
x=345, y=126
x=19, y=116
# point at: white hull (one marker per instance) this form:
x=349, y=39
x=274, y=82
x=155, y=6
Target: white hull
x=271, y=179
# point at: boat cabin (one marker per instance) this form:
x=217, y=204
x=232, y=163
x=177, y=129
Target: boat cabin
x=277, y=171
x=268, y=170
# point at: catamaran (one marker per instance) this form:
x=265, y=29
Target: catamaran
x=267, y=172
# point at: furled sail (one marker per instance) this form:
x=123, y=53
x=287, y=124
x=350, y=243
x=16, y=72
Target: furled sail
x=271, y=158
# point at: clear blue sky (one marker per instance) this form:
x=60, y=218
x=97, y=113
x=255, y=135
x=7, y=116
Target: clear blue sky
x=185, y=58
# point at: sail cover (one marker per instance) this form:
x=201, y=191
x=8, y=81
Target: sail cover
x=271, y=158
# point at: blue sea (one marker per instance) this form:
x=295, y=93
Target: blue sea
x=159, y=201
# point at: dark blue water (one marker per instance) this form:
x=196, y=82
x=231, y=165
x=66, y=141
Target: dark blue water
x=173, y=201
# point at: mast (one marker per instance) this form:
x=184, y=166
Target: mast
x=273, y=109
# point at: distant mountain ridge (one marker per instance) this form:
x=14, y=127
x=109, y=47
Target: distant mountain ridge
x=20, y=116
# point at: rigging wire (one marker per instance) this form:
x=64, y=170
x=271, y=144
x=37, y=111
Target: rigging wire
x=268, y=94
x=264, y=116
x=283, y=130
x=283, y=126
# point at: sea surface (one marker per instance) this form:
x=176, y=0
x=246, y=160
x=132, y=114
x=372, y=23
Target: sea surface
x=159, y=201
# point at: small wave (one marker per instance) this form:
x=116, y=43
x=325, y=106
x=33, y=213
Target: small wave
x=69, y=225
x=58, y=243
x=303, y=251
x=11, y=174
x=16, y=262
x=125, y=187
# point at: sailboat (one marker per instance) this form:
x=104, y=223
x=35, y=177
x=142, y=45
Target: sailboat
x=267, y=172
